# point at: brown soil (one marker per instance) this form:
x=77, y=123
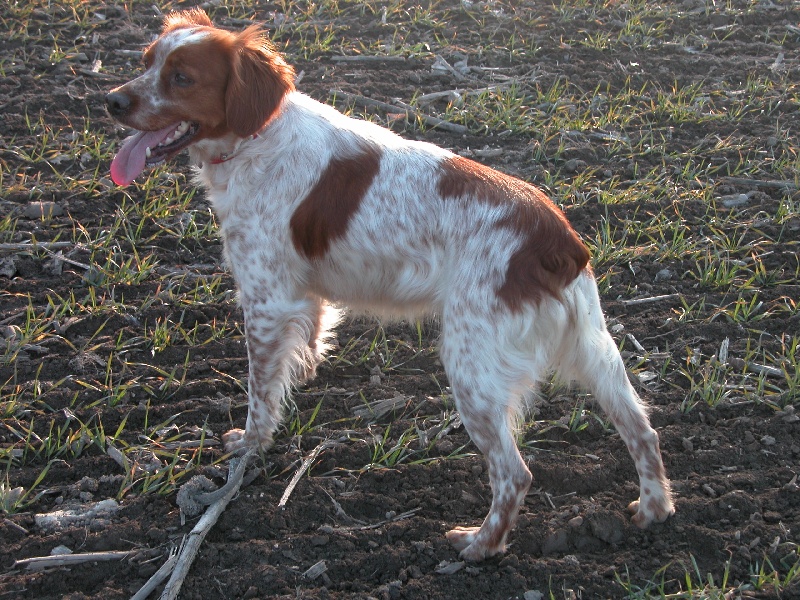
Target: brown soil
x=733, y=466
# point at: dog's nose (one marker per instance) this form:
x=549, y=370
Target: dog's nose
x=118, y=103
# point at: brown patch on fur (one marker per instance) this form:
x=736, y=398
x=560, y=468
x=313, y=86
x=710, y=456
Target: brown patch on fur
x=551, y=255
x=324, y=215
x=240, y=80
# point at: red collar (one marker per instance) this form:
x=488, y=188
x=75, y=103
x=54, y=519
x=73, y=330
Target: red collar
x=226, y=157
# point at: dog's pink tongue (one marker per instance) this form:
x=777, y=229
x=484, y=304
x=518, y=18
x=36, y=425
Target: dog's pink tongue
x=130, y=160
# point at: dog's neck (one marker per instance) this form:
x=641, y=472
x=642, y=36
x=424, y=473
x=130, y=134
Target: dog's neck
x=218, y=151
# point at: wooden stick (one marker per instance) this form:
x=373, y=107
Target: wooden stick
x=301, y=471
x=780, y=185
x=361, y=58
x=61, y=560
x=738, y=363
x=69, y=261
x=21, y=246
x=409, y=112
x=204, y=525
x=434, y=96
x=160, y=575
x=650, y=299
x=639, y=348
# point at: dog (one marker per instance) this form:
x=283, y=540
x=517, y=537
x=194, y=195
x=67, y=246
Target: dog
x=319, y=210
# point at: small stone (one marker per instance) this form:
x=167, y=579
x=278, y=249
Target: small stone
x=575, y=522
x=664, y=274
x=574, y=165
x=446, y=568
x=687, y=444
x=734, y=200
x=7, y=268
x=42, y=210
x=768, y=440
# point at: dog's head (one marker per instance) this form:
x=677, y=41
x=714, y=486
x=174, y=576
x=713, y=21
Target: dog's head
x=200, y=82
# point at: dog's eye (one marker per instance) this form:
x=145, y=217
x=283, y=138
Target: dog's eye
x=182, y=80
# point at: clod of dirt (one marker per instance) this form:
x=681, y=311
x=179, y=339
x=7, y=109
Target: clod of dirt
x=607, y=527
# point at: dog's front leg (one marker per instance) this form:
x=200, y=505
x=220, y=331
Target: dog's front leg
x=281, y=350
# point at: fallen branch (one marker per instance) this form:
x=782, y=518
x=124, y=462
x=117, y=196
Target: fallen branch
x=69, y=261
x=315, y=570
x=779, y=185
x=376, y=409
x=303, y=468
x=62, y=560
x=160, y=575
x=456, y=93
x=738, y=363
x=650, y=299
x=441, y=65
x=639, y=348
x=360, y=58
x=409, y=112
x=401, y=517
x=204, y=525
x=23, y=246
x=360, y=525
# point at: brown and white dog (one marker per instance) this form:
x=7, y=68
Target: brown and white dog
x=317, y=209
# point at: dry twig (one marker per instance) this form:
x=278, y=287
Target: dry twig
x=303, y=468
x=409, y=112
x=204, y=525
x=160, y=575
x=649, y=299
x=38, y=563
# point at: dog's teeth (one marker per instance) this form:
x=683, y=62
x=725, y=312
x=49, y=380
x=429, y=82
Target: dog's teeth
x=147, y=152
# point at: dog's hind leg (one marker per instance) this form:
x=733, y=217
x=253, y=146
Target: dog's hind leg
x=590, y=357
x=485, y=394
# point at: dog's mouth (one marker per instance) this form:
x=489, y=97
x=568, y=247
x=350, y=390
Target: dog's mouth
x=149, y=148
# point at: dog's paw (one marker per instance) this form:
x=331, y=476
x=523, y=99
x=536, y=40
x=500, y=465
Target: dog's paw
x=461, y=537
x=470, y=547
x=234, y=440
x=655, y=509
x=238, y=441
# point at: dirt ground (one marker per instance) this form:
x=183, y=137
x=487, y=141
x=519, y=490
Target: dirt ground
x=381, y=531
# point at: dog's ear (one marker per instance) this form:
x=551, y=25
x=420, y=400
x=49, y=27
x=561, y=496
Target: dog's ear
x=186, y=18
x=259, y=80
